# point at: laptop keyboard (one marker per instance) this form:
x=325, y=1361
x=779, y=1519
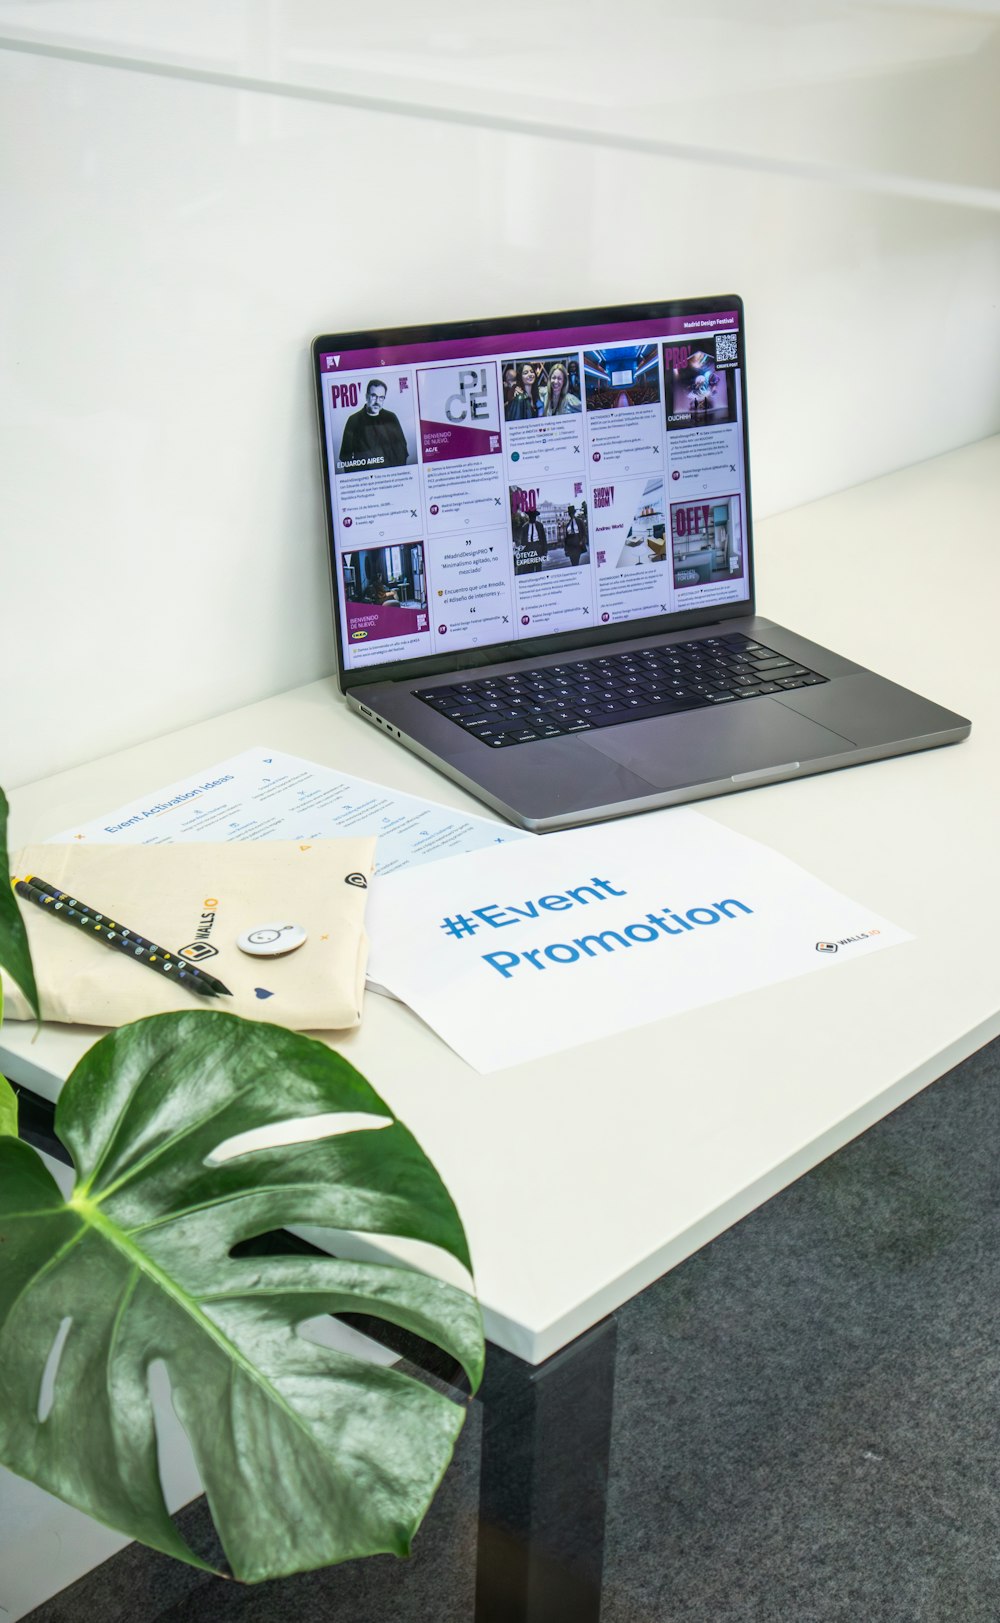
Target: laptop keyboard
x=555, y=699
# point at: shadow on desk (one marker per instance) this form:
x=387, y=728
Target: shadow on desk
x=805, y=1419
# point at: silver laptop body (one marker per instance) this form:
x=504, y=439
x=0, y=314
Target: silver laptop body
x=541, y=560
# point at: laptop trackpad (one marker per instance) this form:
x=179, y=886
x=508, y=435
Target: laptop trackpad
x=709, y=746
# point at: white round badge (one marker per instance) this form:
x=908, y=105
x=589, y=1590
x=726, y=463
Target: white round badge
x=271, y=940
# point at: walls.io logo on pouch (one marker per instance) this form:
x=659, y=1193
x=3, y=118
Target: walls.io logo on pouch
x=201, y=948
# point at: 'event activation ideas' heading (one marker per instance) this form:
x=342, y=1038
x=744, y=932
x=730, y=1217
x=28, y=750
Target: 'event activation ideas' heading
x=167, y=805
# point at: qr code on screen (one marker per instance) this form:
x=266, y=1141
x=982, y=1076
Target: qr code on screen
x=726, y=347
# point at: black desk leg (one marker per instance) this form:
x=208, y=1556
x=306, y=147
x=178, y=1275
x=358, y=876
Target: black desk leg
x=543, y=1486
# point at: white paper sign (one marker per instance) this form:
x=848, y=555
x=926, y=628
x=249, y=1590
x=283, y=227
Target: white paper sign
x=522, y=950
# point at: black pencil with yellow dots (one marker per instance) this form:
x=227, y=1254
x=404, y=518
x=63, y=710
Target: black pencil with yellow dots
x=63, y=906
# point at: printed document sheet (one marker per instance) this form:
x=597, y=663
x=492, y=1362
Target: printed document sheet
x=266, y=795
x=521, y=950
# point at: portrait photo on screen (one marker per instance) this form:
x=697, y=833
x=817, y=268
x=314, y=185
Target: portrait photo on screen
x=372, y=421
x=541, y=387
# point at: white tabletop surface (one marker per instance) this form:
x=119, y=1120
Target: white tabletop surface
x=583, y=1177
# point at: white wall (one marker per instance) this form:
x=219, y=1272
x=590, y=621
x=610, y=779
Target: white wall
x=173, y=240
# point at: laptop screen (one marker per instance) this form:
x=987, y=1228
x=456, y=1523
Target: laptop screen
x=498, y=486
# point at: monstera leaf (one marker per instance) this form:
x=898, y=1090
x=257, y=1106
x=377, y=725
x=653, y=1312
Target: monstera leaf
x=14, y=955
x=308, y=1456
x=8, y=1108
x=16, y=959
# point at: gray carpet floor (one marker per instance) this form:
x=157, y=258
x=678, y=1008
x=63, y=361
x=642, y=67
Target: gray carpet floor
x=807, y=1426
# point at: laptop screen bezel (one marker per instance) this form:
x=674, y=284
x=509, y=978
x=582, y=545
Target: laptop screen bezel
x=527, y=647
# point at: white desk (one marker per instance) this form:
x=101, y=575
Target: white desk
x=583, y=1177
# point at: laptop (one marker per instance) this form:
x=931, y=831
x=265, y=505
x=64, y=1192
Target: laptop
x=541, y=558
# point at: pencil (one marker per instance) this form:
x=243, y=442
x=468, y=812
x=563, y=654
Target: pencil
x=102, y=922
x=118, y=936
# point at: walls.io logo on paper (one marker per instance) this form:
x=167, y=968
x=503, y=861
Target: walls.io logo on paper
x=845, y=941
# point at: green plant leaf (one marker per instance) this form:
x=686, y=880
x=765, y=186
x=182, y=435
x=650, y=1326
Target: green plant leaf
x=15, y=957
x=8, y=1108
x=308, y=1456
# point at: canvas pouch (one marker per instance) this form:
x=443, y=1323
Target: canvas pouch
x=196, y=900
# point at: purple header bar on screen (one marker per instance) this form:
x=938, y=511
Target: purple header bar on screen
x=517, y=344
